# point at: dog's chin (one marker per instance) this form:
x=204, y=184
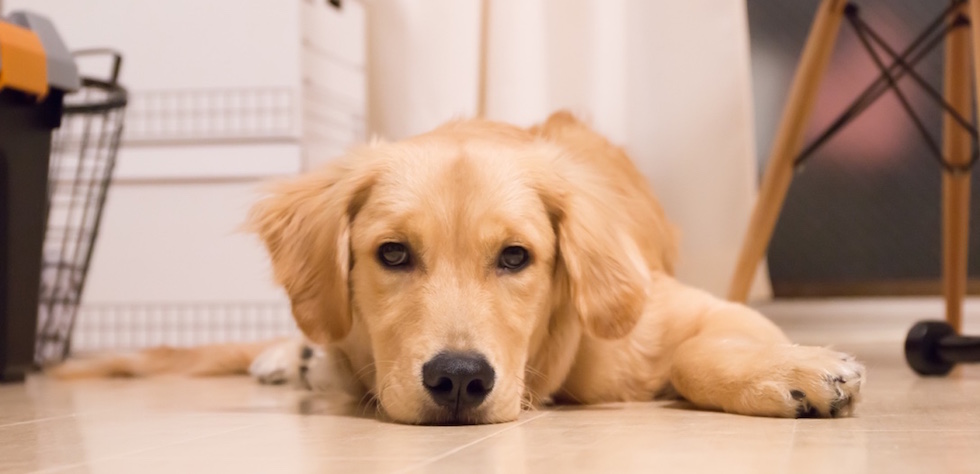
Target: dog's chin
x=440, y=416
x=447, y=417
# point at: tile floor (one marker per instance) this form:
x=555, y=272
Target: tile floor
x=905, y=424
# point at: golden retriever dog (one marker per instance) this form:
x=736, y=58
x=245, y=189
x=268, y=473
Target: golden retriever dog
x=471, y=272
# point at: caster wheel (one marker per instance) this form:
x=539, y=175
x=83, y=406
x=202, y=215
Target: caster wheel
x=922, y=348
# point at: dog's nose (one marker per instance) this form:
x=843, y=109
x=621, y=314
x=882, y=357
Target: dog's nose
x=458, y=380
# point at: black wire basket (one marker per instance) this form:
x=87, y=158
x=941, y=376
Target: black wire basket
x=83, y=156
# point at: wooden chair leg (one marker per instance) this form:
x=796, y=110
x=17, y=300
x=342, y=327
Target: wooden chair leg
x=956, y=150
x=787, y=144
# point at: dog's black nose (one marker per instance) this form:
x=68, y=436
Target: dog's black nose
x=458, y=380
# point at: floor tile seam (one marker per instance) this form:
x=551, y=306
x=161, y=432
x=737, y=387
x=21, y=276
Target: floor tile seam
x=457, y=449
x=52, y=418
x=36, y=420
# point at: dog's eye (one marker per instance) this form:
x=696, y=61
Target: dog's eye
x=393, y=254
x=513, y=258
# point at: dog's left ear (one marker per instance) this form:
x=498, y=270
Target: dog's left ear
x=606, y=274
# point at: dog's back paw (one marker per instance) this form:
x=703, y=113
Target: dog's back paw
x=280, y=364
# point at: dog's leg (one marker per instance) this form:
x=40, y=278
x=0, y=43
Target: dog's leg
x=727, y=356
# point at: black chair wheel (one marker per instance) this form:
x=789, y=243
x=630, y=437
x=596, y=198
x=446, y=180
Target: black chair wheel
x=922, y=348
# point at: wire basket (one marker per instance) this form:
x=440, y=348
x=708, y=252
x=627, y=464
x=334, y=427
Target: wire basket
x=83, y=155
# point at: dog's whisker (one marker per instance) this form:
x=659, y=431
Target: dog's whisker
x=364, y=402
x=530, y=399
x=384, y=385
x=532, y=371
x=370, y=366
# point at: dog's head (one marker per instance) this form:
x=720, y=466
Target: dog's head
x=447, y=251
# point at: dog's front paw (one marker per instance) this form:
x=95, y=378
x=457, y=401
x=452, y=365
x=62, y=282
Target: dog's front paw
x=818, y=383
x=834, y=395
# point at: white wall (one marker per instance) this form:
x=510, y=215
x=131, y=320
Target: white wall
x=178, y=242
x=185, y=43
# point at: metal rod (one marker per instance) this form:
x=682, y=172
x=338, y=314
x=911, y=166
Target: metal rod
x=880, y=85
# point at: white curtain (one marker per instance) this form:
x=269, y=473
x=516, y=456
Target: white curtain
x=668, y=80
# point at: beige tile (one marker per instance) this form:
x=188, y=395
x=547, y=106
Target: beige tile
x=330, y=437
x=624, y=437
x=540, y=446
x=893, y=452
x=904, y=424
x=74, y=439
x=275, y=465
x=172, y=421
x=20, y=403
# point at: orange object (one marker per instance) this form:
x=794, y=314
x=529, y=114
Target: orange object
x=23, y=65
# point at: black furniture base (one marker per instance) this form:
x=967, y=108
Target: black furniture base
x=934, y=348
x=25, y=147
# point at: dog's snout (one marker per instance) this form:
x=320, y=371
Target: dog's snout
x=458, y=380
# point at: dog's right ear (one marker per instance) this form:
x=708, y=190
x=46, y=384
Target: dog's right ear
x=305, y=225
x=609, y=241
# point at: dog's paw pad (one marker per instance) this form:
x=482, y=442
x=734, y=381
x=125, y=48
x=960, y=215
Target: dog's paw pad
x=836, y=408
x=804, y=409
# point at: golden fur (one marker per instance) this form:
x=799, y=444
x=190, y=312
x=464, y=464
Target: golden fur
x=595, y=317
